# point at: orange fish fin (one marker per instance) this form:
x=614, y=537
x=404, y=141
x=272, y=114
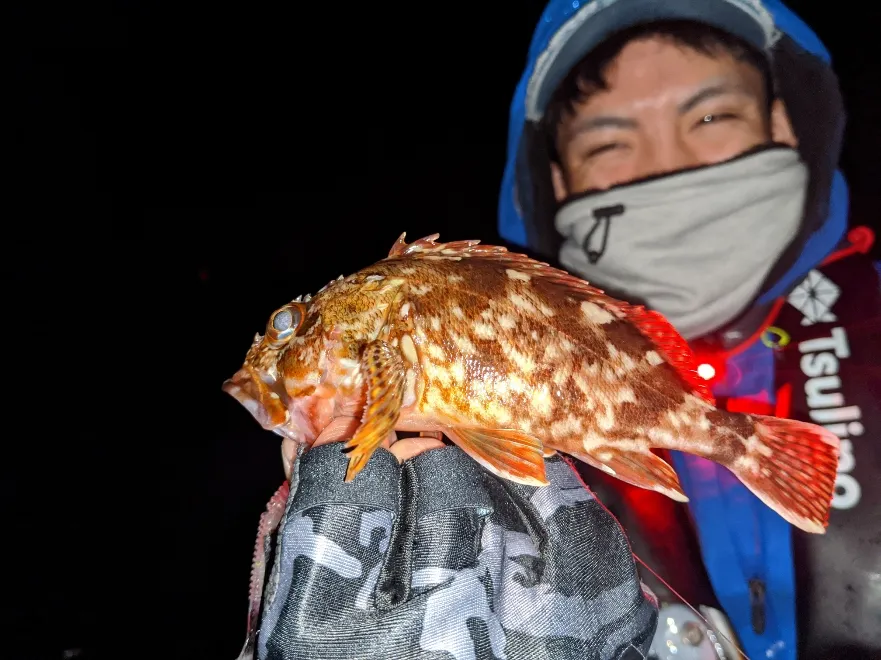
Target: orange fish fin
x=670, y=345
x=794, y=470
x=640, y=468
x=383, y=370
x=509, y=454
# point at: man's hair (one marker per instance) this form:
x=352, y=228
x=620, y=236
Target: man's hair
x=589, y=75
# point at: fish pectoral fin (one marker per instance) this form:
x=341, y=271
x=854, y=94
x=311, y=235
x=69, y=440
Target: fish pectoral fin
x=383, y=370
x=639, y=468
x=509, y=454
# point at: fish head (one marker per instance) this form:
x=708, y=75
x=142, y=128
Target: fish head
x=306, y=366
x=284, y=400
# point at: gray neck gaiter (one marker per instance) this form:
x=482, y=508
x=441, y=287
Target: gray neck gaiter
x=695, y=246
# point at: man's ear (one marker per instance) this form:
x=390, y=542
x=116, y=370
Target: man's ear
x=781, y=126
x=559, y=181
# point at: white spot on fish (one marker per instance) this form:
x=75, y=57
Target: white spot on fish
x=408, y=270
x=606, y=420
x=661, y=438
x=625, y=395
x=523, y=362
x=566, y=428
x=541, y=401
x=745, y=463
x=274, y=395
x=654, y=358
x=591, y=440
x=509, y=323
x=464, y=345
x=405, y=309
x=457, y=312
x=608, y=470
x=582, y=384
x=516, y=384
x=484, y=331
x=457, y=371
x=409, y=388
x=436, y=353
x=435, y=324
x=596, y=314
x=517, y=275
x=441, y=374
x=420, y=289
x=521, y=302
x=408, y=349
x=454, y=279
x=374, y=278
x=547, y=311
x=704, y=423
x=498, y=413
x=560, y=377
x=753, y=444
x=551, y=352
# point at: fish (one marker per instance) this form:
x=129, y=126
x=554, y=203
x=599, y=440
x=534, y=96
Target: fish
x=513, y=360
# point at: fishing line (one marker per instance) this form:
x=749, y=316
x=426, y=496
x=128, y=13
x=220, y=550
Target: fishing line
x=710, y=626
x=571, y=462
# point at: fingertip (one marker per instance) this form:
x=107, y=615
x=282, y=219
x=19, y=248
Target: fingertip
x=288, y=453
x=411, y=447
x=341, y=428
x=390, y=439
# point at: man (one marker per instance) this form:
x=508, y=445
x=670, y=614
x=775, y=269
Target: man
x=683, y=155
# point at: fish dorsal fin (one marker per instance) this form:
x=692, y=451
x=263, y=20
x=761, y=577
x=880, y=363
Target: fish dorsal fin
x=652, y=325
x=429, y=246
x=671, y=346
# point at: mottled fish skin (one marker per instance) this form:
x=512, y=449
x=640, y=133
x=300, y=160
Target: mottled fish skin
x=512, y=359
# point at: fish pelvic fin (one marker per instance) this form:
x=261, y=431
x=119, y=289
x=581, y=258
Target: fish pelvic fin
x=791, y=466
x=509, y=454
x=639, y=468
x=383, y=370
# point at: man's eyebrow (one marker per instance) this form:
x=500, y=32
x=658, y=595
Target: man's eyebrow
x=600, y=122
x=712, y=91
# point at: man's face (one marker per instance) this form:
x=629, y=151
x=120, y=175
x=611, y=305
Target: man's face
x=666, y=108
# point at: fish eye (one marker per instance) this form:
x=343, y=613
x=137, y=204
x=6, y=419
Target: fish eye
x=285, y=322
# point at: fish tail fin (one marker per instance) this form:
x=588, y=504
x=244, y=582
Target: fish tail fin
x=791, y=466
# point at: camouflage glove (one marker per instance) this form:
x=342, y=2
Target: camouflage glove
x=437, y=559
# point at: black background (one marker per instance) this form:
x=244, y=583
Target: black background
x=177, y=171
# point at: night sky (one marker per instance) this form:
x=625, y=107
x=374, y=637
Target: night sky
x=177, y=175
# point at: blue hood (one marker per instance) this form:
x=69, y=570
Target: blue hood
x=522, y=208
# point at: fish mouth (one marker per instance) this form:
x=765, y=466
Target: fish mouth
x=259, y=398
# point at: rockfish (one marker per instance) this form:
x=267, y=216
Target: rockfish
x=513, y=360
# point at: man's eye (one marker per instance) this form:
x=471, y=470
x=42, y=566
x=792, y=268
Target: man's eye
x=714, y=118
x=596, y=151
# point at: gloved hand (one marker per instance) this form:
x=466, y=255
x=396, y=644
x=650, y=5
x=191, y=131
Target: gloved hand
x=435, y=558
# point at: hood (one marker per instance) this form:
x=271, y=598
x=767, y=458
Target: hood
x=804, y=80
